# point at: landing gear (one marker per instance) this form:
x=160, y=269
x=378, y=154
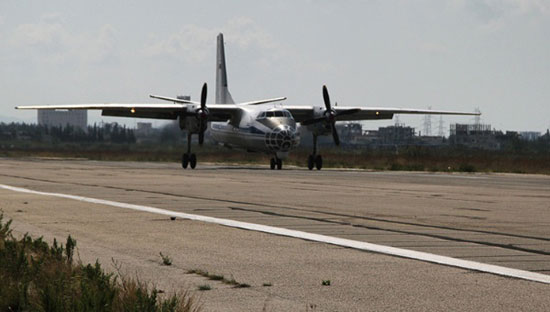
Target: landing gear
x=184, y=160
x=188, y=159
x=276, y=162
x=318, y=162
x=314, y=160
x=193, y=161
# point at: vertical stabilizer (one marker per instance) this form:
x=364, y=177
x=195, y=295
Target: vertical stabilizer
x=222, y=92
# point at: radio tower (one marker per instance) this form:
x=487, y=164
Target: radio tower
x=477, y=120
x=428, y=124
x=440, y=131
x=396, y=120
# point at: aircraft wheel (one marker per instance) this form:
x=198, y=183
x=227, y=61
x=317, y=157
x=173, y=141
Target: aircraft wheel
x=279, y=164
x=272, y=164
x=318, y=162
x=310, y=161
x=184, y=160
x=193, y=161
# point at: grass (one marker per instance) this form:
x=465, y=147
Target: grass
x=325, y=283
x=414, y=158
x=267, y=284
x=218, y=277
x=204, y=287
x=37, y=277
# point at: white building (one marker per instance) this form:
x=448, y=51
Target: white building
x=56, y=118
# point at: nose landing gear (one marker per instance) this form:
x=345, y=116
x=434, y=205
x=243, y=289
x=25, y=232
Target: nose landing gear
x=276, y=162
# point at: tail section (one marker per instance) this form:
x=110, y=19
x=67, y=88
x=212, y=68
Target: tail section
x=222, y=92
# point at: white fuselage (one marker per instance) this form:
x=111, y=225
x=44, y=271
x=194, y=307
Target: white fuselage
x=258, y=129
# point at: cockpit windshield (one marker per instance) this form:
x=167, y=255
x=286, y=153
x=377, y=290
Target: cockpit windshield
x=274, y=113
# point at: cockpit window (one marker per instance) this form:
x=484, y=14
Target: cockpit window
x=277, y=113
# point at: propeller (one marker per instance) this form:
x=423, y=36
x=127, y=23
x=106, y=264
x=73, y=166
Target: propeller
x=329, y=116
x=202, y=114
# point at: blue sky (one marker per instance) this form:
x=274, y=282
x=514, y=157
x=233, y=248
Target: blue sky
x=454, y=55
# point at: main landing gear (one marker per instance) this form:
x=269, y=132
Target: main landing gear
x=314, y=160
x=276, y=162
x=188, y=159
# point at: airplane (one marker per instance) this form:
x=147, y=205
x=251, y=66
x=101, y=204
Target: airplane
x=252, y=126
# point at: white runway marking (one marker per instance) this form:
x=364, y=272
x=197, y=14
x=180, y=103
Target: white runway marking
x=405, y=253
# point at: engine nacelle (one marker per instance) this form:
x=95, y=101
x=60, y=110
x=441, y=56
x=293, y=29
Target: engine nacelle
x=319, y=128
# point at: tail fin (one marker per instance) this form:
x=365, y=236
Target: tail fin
x=222, y=92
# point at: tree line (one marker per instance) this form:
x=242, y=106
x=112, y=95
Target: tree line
x=107, y=133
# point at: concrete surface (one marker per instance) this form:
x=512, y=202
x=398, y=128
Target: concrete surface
x=497, y=219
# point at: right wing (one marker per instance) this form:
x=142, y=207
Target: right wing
x=218, y=112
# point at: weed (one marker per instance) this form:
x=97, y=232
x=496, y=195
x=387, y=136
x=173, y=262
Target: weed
x=39, y=277
x=165, y=259
x=267, y=284
x=204, y=287
x=325, y=283
x=216, y=277
x=242, y=285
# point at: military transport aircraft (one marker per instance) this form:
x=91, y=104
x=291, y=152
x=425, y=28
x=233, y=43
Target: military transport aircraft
x=252, y=126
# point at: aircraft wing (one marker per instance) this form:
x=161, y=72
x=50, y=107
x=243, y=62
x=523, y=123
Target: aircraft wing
x=147, y=110
x=345, y=113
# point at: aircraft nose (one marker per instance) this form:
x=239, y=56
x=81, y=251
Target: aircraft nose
x=281, y=138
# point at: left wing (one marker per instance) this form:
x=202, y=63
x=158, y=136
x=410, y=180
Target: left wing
x=344, y=113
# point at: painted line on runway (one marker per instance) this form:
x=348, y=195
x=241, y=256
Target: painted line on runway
x=393, y=251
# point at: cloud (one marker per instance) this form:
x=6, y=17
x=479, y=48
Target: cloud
x=49, y=40
x=103, y=46
x=190, y=43
x=494, y=15
x=434, y=48
x=494, y=8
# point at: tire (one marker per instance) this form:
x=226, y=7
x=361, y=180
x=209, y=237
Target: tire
x=279, y=164
x=272, y=164
x=193, y=161
x=318, y=162
x=184, y=161
x=310, y=162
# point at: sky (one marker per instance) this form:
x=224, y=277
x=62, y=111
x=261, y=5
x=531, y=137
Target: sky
x=446, y=54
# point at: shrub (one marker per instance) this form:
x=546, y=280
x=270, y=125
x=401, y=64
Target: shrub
x=38, y=277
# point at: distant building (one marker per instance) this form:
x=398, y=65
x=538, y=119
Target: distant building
x=474, y=135
x=62, y=118
x=396, y=135
x=349, y=132
x=529, y=135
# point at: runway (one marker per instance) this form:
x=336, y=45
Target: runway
x=493, y=219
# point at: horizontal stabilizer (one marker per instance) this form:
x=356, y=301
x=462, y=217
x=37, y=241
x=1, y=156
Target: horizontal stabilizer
x=264, y=101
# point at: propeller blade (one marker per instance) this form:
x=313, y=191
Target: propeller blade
x=203, y=96
x=335, y=134
x=326, y=98
x=201, y=136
